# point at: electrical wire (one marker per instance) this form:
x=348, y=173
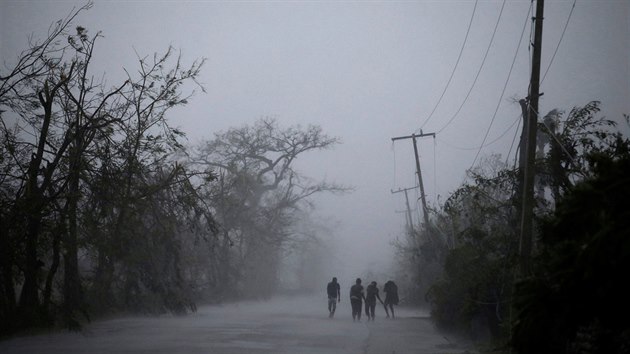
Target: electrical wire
x=512, y=145
x=488, y=144
x=559, y=41
x=435, y=169
x=454, y=68
x=485, y=56
x=394, y=150
x=566, y=24
x=503, y=91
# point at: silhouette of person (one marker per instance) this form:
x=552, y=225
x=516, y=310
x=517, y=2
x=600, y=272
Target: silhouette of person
x=391, y=297
x=371, y=294
x=334, y=295
x=356, y=299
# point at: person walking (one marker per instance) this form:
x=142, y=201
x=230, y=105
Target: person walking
x=356, y=299
x=334, y=295
x=391, y=297
x=371, y=294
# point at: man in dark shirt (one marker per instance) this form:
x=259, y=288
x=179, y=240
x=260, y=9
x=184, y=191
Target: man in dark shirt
x=371, y=294
x=334, y=296
x=356, y=300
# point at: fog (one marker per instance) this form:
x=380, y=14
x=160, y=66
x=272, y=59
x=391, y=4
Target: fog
x=364, y=72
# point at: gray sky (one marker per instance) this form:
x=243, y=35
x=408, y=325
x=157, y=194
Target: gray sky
x=366, y=72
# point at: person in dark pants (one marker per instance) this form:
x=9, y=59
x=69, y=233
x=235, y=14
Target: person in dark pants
x=371, y=294
x=356, y=299
x=391, y=297
x=334, y=296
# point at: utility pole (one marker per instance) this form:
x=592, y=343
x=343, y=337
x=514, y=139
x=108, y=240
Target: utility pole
x=415, y=150
x=409, y=219
x=530, y=145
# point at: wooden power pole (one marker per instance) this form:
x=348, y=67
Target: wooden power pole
x=530, y=146
x=409, y=218
x=420, y=184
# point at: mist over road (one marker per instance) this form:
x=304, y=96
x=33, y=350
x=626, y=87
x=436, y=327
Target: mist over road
x=280, y=325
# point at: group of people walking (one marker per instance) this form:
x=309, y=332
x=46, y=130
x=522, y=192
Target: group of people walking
x=358, y=295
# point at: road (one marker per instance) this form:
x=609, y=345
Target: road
x=297, y=325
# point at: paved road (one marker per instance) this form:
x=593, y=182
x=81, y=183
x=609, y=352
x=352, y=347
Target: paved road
x=297, y=325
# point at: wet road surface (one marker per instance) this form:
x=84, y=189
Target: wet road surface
x=282, y=325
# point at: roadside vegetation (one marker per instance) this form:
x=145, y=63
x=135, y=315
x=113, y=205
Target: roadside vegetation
x=105, y=209
x=466, y=264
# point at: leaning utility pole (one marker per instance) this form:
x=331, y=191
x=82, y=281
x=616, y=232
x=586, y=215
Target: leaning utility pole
x=415, y=150
x=409, y=219
x=530, y=153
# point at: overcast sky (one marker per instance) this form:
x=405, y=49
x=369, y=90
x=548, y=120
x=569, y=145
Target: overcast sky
x=365, y=71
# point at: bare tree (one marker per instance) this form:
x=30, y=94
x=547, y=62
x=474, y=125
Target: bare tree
x=28, y=92
x=260, y=193
x=69, y=134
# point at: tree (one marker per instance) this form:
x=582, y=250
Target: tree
x=137, y=165
x=28, y=93
x=565, y=144
x=474, y=289
x=96, y=151
x=479, y=268
x=575, y=302
x=259, y=193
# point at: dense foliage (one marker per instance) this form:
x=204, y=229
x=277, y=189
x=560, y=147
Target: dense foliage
x=577, y=300
x=477, y=253
x=472, y=294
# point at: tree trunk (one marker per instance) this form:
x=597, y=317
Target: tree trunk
x=72, y=283
x=54, y=266
x=7, y=293
x=29, y=297
x=33, y=206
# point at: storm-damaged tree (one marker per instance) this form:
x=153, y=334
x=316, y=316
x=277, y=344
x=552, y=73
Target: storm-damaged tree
x=567, y=143
x=28, y=95
x=258, y=195
x=69, y=134
x=139, y=169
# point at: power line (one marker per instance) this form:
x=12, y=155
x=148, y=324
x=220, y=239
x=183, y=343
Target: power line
x=488, y=144
x=435, y=188
x=394, y=150
x=454, y=68
x=512, y=145
x=478, y=71
x=504, y=88
x=559, y=41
